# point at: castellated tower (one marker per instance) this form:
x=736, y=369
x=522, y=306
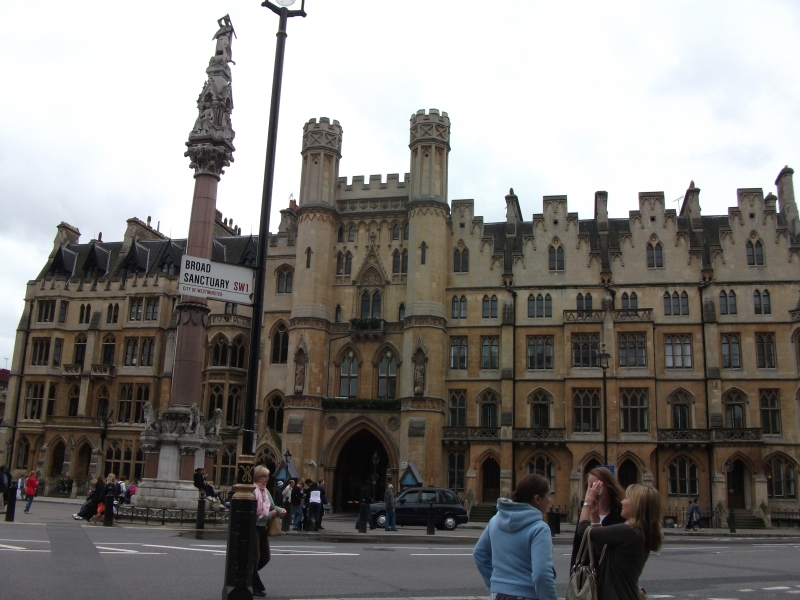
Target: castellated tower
x=425, y=338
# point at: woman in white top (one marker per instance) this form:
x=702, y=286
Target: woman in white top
x=266, y=510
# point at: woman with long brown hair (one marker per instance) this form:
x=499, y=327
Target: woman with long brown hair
x=627, y=545
x=609, y=505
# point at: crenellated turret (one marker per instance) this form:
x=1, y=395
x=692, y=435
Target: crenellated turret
x=322, y=150
x=430, y=145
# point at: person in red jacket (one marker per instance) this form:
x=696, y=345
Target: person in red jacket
x=31, y=483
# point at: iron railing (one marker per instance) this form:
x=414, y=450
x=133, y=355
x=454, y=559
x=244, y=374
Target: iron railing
x=168, y=515
x=785, y=518
x=744, y=435
x=470, y=433
x=684, y=436
x=539, y=435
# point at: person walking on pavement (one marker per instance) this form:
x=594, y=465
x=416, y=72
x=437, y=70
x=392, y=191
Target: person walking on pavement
x=391, y=515
x=297, y=504
x=31, y=483
x=324, y=500
x=693, y=516
x=265, y=512
x=314, y=504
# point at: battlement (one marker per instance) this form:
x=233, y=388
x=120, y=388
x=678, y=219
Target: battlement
x=430, y=126
x=374, y=187
x=324, y=134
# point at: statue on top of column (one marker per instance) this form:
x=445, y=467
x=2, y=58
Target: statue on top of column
x=210, y=145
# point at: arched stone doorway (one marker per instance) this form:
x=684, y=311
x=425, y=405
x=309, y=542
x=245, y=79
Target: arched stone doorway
x=737, y=498
x=80, y=462
x=56, y=459
x=628, y=474
x=490, y=484
x=355, y=465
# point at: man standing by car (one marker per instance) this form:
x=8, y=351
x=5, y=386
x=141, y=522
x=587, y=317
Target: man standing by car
x=391, y=516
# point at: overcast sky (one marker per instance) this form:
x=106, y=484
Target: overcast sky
x=545, y=97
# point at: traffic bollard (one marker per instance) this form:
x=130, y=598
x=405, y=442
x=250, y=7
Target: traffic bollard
x=108, y=518
x=363, y=515
x=431, y=520
x=732, y=522
x=201, y=510
x=11, y=507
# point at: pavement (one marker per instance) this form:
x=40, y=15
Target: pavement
x=341, y=528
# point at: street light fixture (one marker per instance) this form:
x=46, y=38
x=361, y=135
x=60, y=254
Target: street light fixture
x=375, y=460
x=239, y=560
x=603, y=359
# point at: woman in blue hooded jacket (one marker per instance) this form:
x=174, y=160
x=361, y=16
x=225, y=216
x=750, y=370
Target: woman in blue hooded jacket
x=514, y=555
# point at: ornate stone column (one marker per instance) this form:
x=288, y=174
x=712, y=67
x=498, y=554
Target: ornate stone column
x=179, y=436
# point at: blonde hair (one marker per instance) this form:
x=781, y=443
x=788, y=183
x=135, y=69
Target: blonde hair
x=645, y=514
x=111, y=478
x=260, y=471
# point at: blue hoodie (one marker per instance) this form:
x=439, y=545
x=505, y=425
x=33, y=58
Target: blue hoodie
x=514, y=555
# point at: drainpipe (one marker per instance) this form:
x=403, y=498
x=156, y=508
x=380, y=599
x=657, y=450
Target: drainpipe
x=711, y=464
x=513, y=391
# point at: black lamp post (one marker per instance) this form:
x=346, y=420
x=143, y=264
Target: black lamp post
x=603, y=358
x=241, y=532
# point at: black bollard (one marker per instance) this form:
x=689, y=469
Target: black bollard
x=363, y=515
x=732, y=522
x=11, y=507
x=108, y=518
x=431, y=520
x=201, y=510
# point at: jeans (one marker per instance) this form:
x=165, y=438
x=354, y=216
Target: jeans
x=313, y=515
x=298, y=516
x=391, y=520
x=261, y=558
x=30, y=501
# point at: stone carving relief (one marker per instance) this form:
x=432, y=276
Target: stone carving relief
x=393, y=423
x=332, y=422
x=299, y=373
x=419, y=373
x=215, y=423
x=150, y=421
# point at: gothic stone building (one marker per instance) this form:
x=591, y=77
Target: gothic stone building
x=399, y=325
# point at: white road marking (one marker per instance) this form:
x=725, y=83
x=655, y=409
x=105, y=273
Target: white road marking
x=9, y=547
x=183, y=548
x=793, y=592
x=27, y=541
x=747, y=590
x=441, y=554
x=659, y=596
x=777, y=588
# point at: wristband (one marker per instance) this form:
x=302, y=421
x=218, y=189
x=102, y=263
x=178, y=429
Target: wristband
x=589, y=505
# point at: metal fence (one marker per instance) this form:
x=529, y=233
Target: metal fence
x=785, y=518
x=163, y=516
x=708, y=518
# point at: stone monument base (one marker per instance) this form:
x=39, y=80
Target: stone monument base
x=160, y=493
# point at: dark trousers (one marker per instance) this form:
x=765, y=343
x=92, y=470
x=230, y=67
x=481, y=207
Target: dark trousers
x=261, y=557
x=313, y=516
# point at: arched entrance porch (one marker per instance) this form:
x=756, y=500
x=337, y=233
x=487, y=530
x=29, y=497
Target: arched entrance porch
x=80, y=462
x=628, y=474
x=355, y=466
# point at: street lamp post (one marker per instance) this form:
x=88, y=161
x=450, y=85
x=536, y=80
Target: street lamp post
x=603, y=357
x=375, y=460
x=241, y=532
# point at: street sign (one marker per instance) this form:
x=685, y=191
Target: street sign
x=216, y=281
x=609, y=467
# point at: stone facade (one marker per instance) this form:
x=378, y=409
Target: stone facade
x=399, y=325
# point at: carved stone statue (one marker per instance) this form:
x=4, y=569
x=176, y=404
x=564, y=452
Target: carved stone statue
x=215, y=423
x=222, y=53
x=194, y=418
x=419, y=373
x=299, y=375
x=150, y=417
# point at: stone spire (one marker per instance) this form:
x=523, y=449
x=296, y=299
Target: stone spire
x=210, y=145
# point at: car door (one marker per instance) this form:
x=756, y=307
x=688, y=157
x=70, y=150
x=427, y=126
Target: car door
x=405, y=506
x=425, y=498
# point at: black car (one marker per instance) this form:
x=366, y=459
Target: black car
x=412, y=508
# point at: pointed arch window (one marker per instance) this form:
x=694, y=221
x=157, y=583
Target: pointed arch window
x=455, y=471
x=683, y=479
x=124, y=406
x=23, y=450
x=734, y=410
x=780, y=473
x=540, y=410
x=401, y=312
x=338, y=315
x=227, y=466
x=351, y=234
x=216, y=399
x=371, y=305
x=168, y=266
x=555, y=257
x=79, y=353
x=110, y=313
x=540, y=464
x=339, y=263
x=458, y=353
x=234, y=413
x=458, y=409
x=761, y=302
x=51, y=401
x=348, y=376
x=102, y=403
x=630, y=301
x=655, y=256
x=396, y=232
x=723, y=302
x=770, y=411
x=731, y=355
x=405, y=231
x=109, y=348
x=423, y=249
x=461, y=261
x=285, y=277
x=275, y=413
x=396, y=261
x=238, y=355
x=308, y=257
x=540, y=352
x=458, y=309
x=348, y=264
x=454, y=308
x=340, y=235
x=489, y=353
x=485, y=311
x=219, y=353
x=680, y=410
x=73, y=399
x=404, y=262
x=387, y=376
x=489, y=407
x=280, y=345
x=755, y=253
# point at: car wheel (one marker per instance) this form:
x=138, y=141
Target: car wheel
x=380, y=520
x=450, y=522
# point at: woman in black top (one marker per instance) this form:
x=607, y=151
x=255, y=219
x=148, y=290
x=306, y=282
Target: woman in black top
x=609, y=506
x=628, y=545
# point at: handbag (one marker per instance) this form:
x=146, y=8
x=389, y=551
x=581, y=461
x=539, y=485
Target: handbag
x=583, y=578
x=274, y=527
